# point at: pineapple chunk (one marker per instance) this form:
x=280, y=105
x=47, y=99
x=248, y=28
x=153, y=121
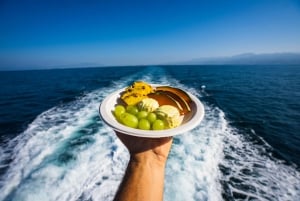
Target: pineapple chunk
x=136, y=92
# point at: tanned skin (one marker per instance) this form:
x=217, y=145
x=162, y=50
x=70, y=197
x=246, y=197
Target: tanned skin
x=144, y=176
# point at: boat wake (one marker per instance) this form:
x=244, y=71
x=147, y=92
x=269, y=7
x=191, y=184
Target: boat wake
x=68, y=153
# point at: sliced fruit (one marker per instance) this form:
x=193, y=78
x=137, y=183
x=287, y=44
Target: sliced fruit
x=136, y=92
x=133, y=99
x=177, y=91
x=170, y=115
x=148, y=104
x=165, y=99
x=184, y=105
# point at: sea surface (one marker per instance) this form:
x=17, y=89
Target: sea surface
x=54, y=145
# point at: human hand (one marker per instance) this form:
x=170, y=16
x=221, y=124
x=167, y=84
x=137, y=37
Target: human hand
x=144, y=176
x=147, y=149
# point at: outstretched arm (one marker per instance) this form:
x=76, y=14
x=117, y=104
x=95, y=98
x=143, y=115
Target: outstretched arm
x=144, y=177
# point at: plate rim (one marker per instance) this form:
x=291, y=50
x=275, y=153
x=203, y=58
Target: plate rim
x=112, y=122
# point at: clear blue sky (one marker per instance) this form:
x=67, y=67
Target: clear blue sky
x=72, y=33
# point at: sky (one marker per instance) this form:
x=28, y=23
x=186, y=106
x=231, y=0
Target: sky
x=73, y=33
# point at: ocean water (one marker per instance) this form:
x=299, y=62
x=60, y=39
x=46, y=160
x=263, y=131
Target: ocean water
x=54, y=146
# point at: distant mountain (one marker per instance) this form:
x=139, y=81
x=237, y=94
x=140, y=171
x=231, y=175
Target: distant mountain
x=250, y=59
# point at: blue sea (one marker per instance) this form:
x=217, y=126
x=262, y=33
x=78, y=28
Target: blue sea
x=54, y=145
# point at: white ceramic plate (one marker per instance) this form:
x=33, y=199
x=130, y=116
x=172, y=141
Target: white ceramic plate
x=189, y=122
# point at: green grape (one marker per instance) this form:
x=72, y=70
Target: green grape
x=132, y=109
x=158, y=125
x=142, y=114
x=144, y=124
x=119, y=109
x=151, y=117
x=129, y=120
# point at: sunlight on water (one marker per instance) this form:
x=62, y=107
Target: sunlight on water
x=67, y=153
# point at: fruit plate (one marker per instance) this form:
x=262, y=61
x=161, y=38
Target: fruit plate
x=190, y=121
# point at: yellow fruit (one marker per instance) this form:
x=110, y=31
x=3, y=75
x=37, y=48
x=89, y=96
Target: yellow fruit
x=170, y=115
x=165, y=95
x=165, y=99
x=136, y=92
x=148, y=104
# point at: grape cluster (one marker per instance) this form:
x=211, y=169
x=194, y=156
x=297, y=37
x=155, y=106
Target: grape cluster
x=132, y=117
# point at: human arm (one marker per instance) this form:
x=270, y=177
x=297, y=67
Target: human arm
x=144, y=176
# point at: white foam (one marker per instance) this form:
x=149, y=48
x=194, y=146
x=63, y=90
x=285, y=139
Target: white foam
x=192, y=171
x=67, y=153
x=34, y=173
x=254, y=173
x=39, y=143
